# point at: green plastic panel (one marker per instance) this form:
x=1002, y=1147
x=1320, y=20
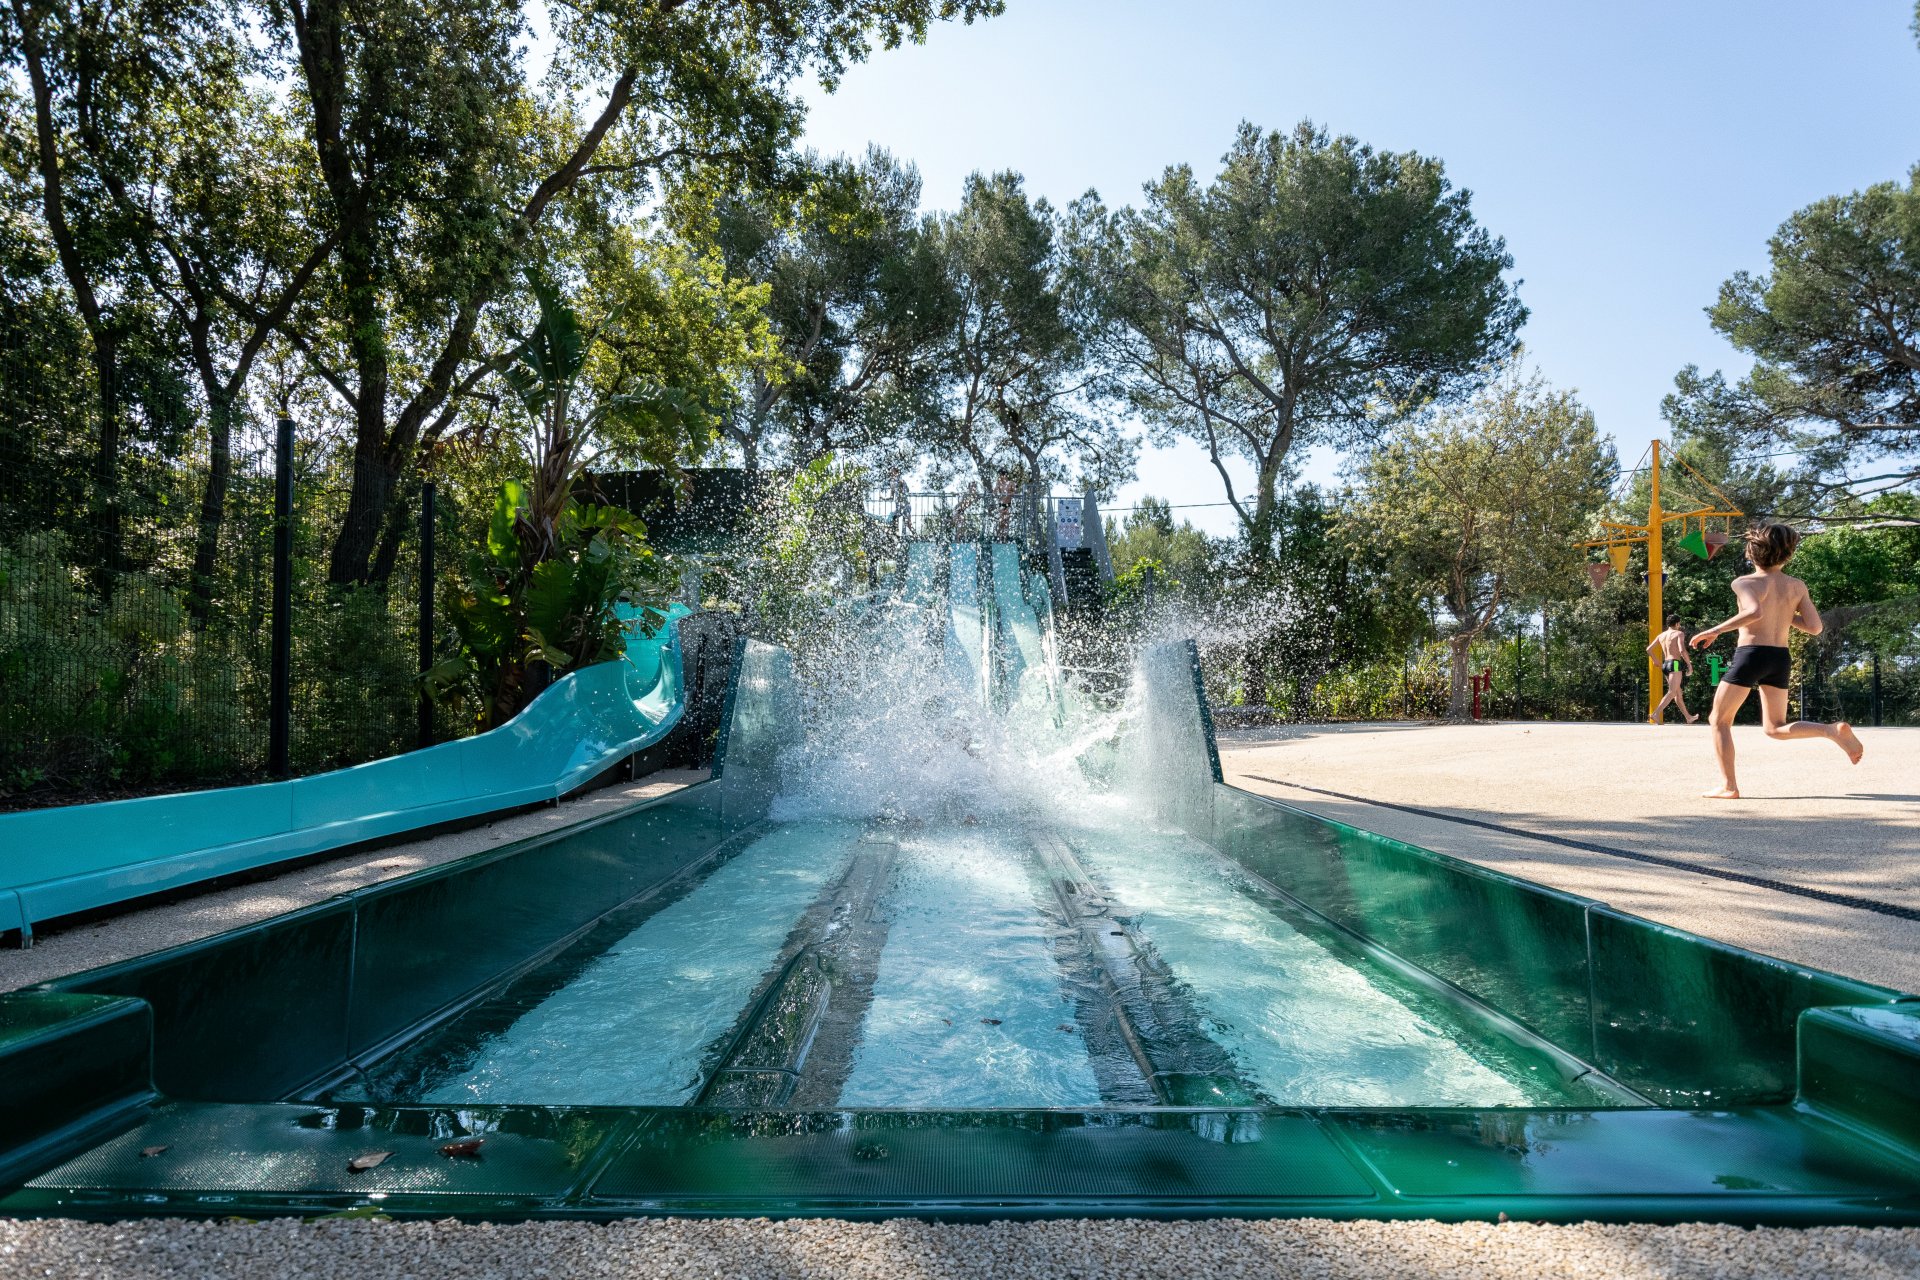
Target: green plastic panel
x=532, y=1154
x=65, y=1058
x=1692, y=1022
x=762, y=718
x=439, y=936
x=1862, y=1065
x=82, y=857
x=244, y=1015
x=1699, y=1155
x=370, y=964
x=711, y=1159
x=1766, y=1165
x=1518, y=947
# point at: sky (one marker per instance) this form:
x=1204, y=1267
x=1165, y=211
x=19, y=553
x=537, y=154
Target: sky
x=1633, y=155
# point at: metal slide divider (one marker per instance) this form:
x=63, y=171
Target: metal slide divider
x=793, y=1043
x=1183, y=1066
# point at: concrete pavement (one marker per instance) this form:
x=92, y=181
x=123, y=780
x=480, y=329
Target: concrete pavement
x=1808, y=819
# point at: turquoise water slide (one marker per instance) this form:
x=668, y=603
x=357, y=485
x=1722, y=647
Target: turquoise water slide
x=1023, y=615
x=967, y=639
x=54, y=862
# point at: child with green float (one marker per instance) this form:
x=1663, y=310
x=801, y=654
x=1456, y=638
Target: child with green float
x=1773, y=605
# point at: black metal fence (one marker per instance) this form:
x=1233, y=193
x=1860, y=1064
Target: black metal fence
x=137, y=626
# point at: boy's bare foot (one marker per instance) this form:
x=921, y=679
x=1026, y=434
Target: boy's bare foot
x=1849, y=743
x=1693, y=719
x=1724, y=793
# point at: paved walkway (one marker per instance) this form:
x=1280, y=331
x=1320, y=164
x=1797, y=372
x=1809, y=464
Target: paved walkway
x=1808, y=821
x=86, y=946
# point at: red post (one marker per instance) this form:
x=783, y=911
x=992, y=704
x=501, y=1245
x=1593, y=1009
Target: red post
x=1481, y=683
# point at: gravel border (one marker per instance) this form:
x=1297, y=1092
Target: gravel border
x=910, y=1250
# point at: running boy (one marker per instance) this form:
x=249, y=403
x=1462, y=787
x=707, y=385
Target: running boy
x=1772, y=606
x=1676, y=665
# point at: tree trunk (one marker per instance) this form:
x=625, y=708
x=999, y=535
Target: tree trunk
x=106, y=472
x=98, y=321
x=1266, y=510
x=394, y=529
x=375, y=470
x=375, y=482
x=1459, y=697
x=213, y=510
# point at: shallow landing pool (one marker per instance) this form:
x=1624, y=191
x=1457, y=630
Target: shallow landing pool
x=902, y=965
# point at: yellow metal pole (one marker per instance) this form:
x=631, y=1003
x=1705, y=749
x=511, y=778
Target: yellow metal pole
x=1655, y=625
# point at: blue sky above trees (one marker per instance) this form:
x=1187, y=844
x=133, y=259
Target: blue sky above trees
x=1633, y=154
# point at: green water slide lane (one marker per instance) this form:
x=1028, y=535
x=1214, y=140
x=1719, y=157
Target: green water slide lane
x=83, y=857
x=966, y=621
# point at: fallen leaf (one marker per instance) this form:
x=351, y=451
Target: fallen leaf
x=465, y=1147
x=148, y=1153
x=992, y=1022
x=1065, y=1026
x=948, y=1021
x=371, y=1160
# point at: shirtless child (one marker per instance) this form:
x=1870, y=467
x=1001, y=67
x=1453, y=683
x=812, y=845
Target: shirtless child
x=1772, y=605
x=1676, y=665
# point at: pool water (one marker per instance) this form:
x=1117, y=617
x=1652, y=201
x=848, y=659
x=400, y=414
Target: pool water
x=897, y=964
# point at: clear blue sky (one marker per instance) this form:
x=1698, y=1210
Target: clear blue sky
x=1632, y=154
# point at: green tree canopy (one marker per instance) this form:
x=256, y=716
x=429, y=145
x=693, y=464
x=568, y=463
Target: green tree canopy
x=1313, y=291
x=1834, y=330
x=1481, y=505
x=438, y=175
x=856, y=303
x=1012, y=361
x=1182, y=556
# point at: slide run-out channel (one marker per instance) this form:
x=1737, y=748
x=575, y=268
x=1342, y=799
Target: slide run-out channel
x=830, y=964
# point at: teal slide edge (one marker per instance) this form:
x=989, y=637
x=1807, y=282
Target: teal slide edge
x=55, y=862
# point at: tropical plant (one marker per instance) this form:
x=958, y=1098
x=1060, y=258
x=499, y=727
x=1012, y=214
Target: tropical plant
x=561, y=611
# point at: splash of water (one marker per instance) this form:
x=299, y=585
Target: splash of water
x=901, y=725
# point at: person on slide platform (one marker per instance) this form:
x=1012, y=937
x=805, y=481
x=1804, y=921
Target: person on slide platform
x=1772, y=605
x=1676, y=665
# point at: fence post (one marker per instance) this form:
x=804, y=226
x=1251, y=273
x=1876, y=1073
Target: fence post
x=280, y=679
x=1876, y=688
x=428, y=493
x=1516, y=674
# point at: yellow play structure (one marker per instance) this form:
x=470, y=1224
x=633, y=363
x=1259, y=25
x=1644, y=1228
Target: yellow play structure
x=1695, y=538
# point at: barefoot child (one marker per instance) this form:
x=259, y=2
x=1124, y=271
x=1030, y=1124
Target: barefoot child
x=1675, y=663
x=1772, y=605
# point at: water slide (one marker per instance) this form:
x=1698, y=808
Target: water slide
x=84, y=857
x=995, y=618
x=1171, y=997
x=967, y=642
x=1023, y=610
x=1203, y=1004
